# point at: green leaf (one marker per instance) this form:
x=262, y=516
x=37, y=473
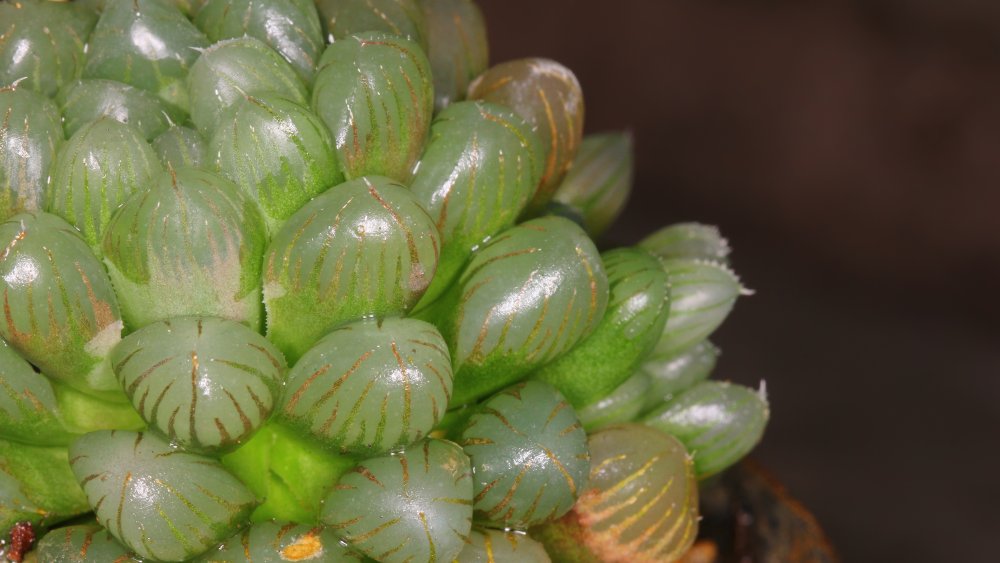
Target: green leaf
x=29, y=412
x=204, y=383
x=718, y=422
x=669, y=375
x=344, y=18
x=277, y=542
x=370, y=386
x=415, y=505
x=641, y=503
x=688, y=240
x=638, y=306
x=180, y=147
x=232, y=69
x=623, y=404
x=83, y=543
x=290, y=27
x=490, y=546
x=87, y=100
x=548, y=96
x=703, y=293
x=159, y=501
x=37, y=486
x=375, y=94
x=363, y=248
x=599, y=181
x=529, y=456
x=149, y=44
x=42, y=43
x=457, y=47
x=278, y=152
x=191, y=244
x=60, y=311
x=30, y=136
x=102, y=164
x=480, y=167
x=528, y=296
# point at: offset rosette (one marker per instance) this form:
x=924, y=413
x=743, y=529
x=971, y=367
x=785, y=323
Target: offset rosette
x=149, y=44
x=637, y=310
x=415, y=505
x=480, y=168
x=548, y=96
x=374, y=92
x=160, y=502
x=207, y=384
x=191, y=244
x=61, y=313
x=30, y=135
x=363, y=248
x=278, y=152
x=180, y=147
x=529, y=456
x=528, y=296
x=702, y=295
x=343, y=18
x=718, y=423
x=290, y=27
x=43, y=43
x=83, y=101
x=641, y=504
x=599, y=181
x=232, y=69
x=96, y=170
x=497, y=546
x=370, y=386
x=83, y=543
x=456, y=47
x=281, y=541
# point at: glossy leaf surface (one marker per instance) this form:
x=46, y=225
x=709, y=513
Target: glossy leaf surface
x=638, y=306
x=96, y=170
x=42, y=43
x=83, y=543
x=279, y=542
x=702, y=295
x=478, y=171
x=29, y=412
x=623, y=404
x=363, y=248
x=529, y=456
x=528, y=296
x=498, y=546
x=60, y=311
x=375, y=94
x=180, y=147
x=30, y=135
x=232, y=69
x=599, y=181
x=456, y=47
x=370, y=386
x=688, y=240
x=669, y=375
x=641, y=504
x=149, y=44
x=290, y=27
x=159, y=501
x=278, y=152
x=83, y=101
x=343, y=18
x=207, y=384
x=548, y=96
x=718, y=422
x=415, y=505
x=191, y=244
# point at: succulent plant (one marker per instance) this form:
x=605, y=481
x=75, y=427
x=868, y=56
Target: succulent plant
x=286, y=280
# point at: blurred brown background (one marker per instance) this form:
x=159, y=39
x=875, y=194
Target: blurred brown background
x=850, y=149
